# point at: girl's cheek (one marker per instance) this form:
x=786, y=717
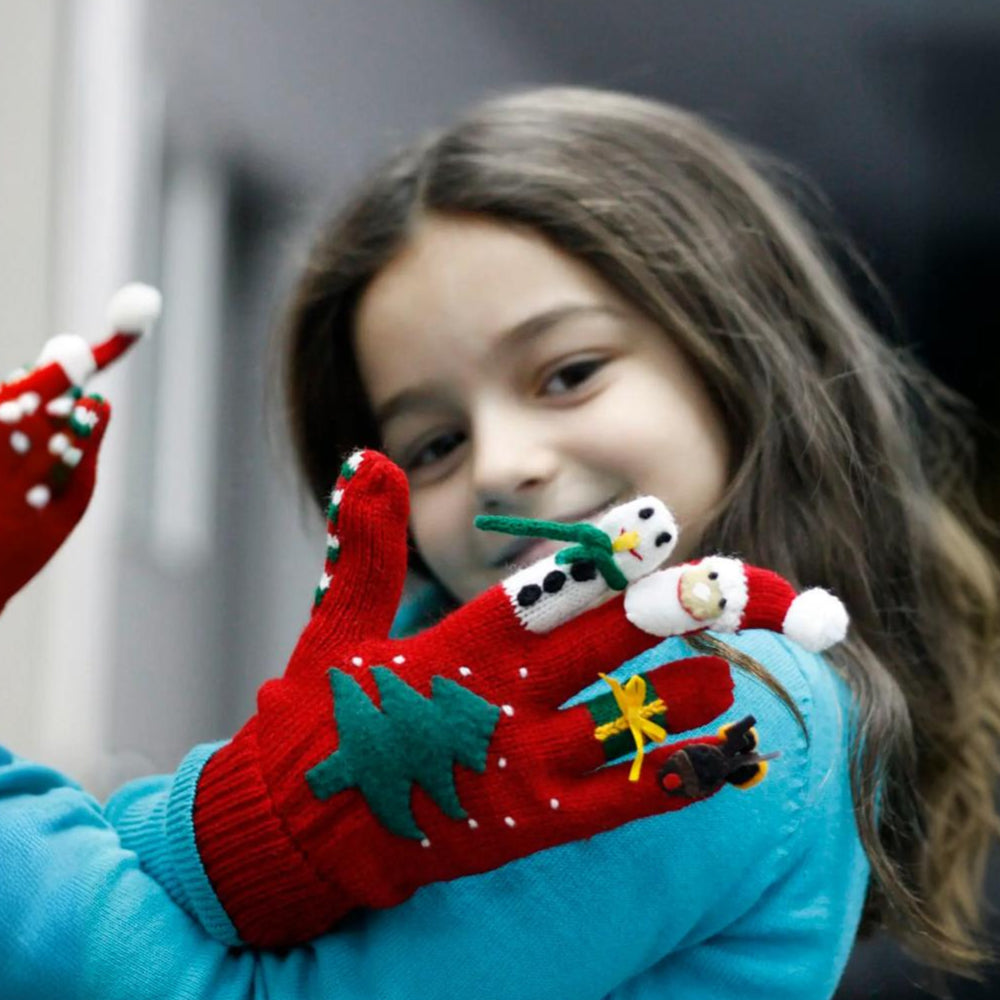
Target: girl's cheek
x=437, y=533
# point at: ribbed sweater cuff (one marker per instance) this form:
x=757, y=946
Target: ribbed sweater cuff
x=271, y=891
x=183, y=848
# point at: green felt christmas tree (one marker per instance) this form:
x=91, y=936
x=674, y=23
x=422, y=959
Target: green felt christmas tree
x=412, y=739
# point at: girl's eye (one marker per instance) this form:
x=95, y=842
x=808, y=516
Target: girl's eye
x=434, y=450
x=567, y=378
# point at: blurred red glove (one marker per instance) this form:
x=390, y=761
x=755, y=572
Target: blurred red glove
x=50, y=437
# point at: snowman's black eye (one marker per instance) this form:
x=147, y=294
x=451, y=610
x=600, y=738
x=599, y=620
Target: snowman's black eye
x=663, y=537
x=713, y=575
x=646, y=513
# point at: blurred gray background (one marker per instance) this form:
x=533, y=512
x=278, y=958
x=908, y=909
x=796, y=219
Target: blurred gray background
x=196, y=145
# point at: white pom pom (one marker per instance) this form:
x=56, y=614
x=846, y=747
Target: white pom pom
x=134, y=309
x=816, y=620
x=73, y=355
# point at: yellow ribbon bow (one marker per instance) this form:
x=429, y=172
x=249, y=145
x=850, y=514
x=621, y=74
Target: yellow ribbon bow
x=630, y=699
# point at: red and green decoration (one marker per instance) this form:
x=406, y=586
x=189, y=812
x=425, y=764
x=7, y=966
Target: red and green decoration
x=347, y=470
x=376, y=766
x=410, y=740
x=591, y=544
x=50, y=438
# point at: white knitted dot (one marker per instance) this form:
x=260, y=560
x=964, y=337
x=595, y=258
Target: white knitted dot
x=473, y=825
x=355, y=460
x=324, y=581
x=399, y=659
x=425, y=842
x=332, y=542
x=357, y=661
x=85, y=417
x=61, y=407
x=72, y=457
x=507, y=710
x=502, y=762
x=20, y=442
x=38, y=496
x=58, y=443
x=509, y=820
x=10, y=412
x=554, y=803
x=523, y=671
x=30, y=401
x=464, y=671
x=338, y=495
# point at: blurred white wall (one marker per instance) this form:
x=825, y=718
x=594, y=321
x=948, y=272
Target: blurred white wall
x=28, y=60
x=73, y=123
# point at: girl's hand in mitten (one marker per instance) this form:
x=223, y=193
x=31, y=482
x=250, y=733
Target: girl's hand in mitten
x=376, y=766
x=50, y=436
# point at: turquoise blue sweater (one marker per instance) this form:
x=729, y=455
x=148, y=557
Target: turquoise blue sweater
x=753, y=893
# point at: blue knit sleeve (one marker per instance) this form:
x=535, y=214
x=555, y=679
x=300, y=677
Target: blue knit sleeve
x=738, y=890
x=80, y=919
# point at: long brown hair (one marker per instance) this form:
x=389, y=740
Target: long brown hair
x=851, y=464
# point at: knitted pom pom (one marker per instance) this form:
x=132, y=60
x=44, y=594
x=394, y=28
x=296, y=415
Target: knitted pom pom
x=816, y=620
x=134, y=308
x=72, y=353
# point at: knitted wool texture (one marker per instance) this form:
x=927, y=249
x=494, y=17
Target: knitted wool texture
x=48, y=460
x=376, y=766
x=50, y=436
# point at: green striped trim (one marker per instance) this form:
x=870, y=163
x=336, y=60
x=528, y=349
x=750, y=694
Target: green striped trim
x=78, y=428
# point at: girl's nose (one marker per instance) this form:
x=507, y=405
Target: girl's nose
x=510, y=464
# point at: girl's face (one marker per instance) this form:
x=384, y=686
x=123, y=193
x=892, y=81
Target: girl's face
x=507, y=377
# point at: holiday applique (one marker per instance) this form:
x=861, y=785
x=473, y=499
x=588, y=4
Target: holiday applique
x=375, y=766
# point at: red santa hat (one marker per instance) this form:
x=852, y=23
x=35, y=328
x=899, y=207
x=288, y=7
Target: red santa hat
x=814, y=619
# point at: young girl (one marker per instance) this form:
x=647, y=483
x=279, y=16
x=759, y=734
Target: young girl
x=567, y=299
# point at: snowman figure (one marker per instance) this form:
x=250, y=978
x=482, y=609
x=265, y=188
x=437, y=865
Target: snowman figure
x=626, y=549
x=627, y=543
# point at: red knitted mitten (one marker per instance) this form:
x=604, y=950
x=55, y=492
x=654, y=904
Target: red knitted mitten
x=50, y=436
x=376, y=766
